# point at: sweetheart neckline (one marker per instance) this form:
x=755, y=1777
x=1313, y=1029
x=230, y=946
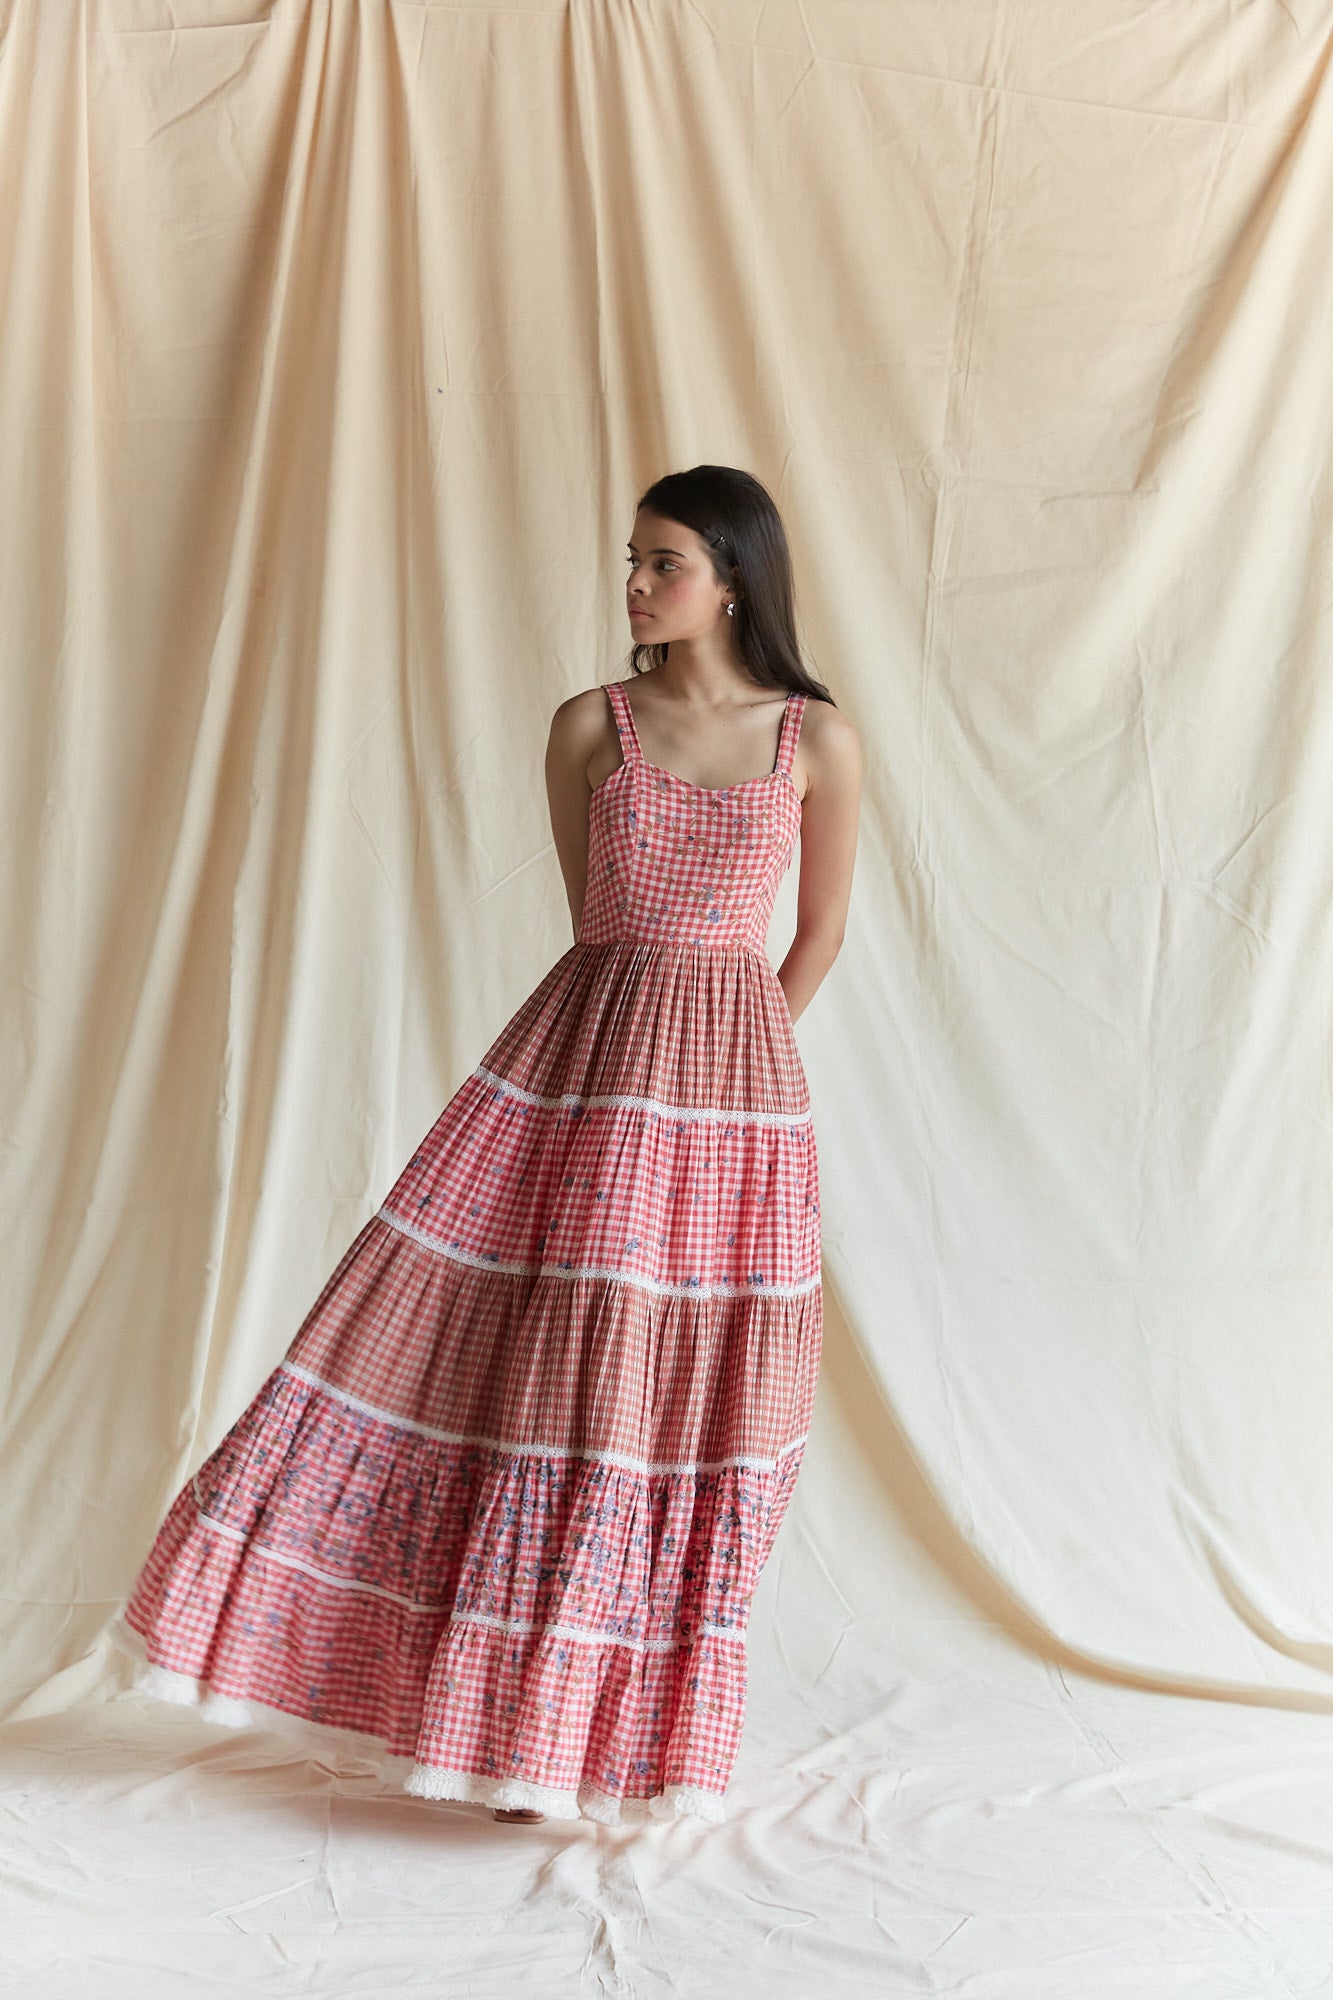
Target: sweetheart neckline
x=710, y=790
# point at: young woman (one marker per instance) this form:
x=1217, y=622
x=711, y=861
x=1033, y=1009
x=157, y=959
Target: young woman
x=505, y=1501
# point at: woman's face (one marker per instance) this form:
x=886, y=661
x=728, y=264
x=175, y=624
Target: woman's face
x=672, y=591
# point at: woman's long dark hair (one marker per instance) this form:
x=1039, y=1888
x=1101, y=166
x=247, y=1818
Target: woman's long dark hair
x=736, y=517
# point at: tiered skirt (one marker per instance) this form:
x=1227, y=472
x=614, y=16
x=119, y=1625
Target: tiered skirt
x=503, y=1504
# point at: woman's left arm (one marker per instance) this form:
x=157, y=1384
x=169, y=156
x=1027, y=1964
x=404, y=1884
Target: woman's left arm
x=829, y=758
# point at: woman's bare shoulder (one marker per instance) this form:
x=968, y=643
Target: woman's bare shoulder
x=827, y=728
x=580, y=713
x=828, y=750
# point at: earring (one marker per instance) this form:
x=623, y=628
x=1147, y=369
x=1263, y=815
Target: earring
x=730, y=610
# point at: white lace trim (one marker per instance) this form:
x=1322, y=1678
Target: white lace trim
x=588, y=1802
x=686, y=1113
x=748, y=1462
x=723, y=1289
x=420, y=1780
x=706, y=1630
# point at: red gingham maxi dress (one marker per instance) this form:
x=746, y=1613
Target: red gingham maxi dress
x=503, y=1504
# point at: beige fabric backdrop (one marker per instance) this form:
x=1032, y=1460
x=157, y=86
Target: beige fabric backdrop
x=338, y=340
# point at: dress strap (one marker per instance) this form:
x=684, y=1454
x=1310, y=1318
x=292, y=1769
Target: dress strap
x=791, y=729
x=624, y=721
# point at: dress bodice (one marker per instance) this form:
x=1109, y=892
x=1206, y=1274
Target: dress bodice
x=683, y=863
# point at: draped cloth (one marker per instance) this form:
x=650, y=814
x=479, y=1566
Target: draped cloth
x=340, y=337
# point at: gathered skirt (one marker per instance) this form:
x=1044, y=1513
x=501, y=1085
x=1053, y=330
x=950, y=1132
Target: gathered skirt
x=503, y=1504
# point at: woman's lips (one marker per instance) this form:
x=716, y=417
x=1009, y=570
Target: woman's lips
x=639, y=614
